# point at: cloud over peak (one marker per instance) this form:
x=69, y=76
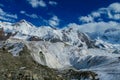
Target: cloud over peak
x=86, y=19
x=54, y=21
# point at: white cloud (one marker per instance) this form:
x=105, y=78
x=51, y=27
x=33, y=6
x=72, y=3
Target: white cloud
x=54, y=21
x=111, y=12
x=7, y=16
x=116, y=16
x=14, y=16
x=114, y=11
x=115, y=7
x=37, y=3
x=33, y=16
x=99, y=27
x=95, y=14
x=6, y=19
x=29, y=15
x=2, y=12
x=53, y=3
x=22, y=12
x=86, y=19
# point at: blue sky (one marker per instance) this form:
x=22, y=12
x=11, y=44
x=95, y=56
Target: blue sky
x=58, y=12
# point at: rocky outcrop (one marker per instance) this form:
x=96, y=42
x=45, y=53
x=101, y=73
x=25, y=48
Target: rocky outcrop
x=23, y=67
x=35, y=38
x=80, y=75
x=4, y=35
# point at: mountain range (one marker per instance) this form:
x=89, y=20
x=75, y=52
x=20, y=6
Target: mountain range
x=89, y=47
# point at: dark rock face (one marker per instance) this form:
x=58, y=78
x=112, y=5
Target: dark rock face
x=80, y=75
x=65, y=38
x=2, y=34
x=116, y=52
x=35, y=38
x=84, y=38
x=54, y=40
x=5, y=36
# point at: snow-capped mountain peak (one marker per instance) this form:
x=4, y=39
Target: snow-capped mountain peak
x=23, y=22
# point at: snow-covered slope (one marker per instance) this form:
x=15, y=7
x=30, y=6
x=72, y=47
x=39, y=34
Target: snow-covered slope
x=93, y=48
x=64, y=56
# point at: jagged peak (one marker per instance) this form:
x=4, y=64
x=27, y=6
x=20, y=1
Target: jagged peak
x=23, y=21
